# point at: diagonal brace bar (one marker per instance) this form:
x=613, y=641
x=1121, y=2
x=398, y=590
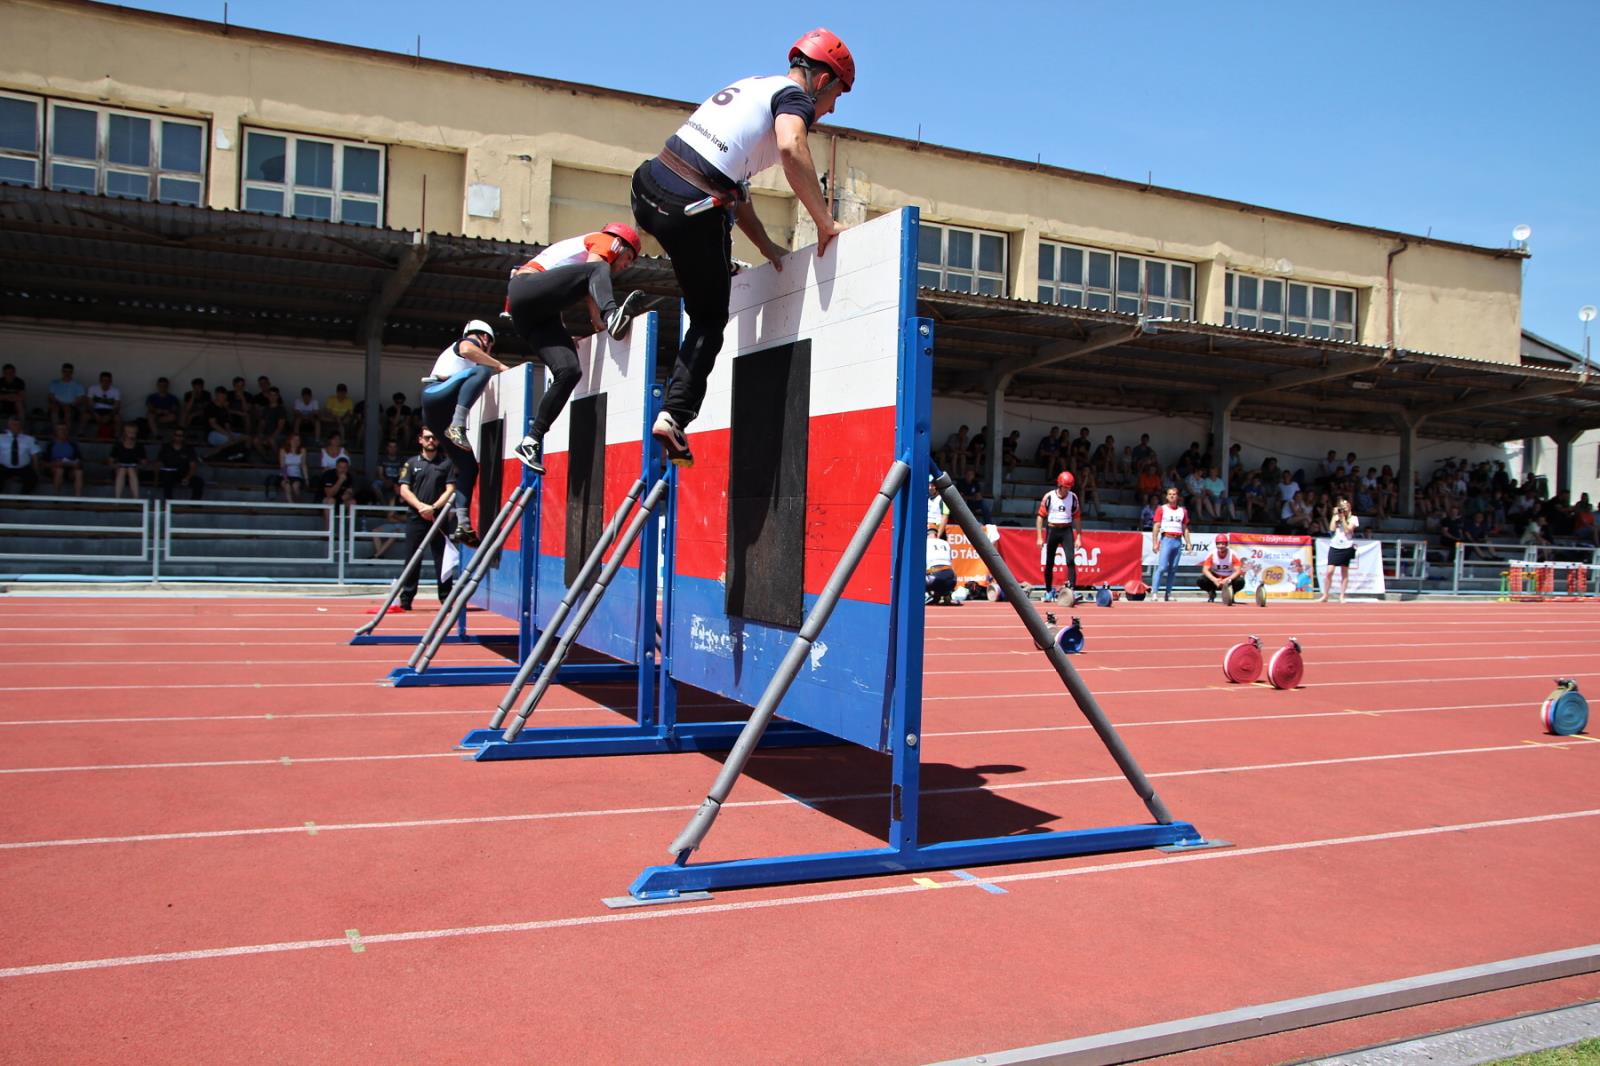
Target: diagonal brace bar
x=1058, y=658
x=412, y=565
x=577, y=589
x=700, y=822
x=591, y=601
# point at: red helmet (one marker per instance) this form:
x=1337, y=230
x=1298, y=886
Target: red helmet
x=624, y=232
x=1065, y=480
x=822, y=46
x=1222, y=539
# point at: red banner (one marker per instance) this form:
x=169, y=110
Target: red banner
x=1104, y=557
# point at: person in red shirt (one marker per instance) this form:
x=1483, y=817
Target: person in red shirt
x=543, y=287
x=1221, y=569
x=1058, y=513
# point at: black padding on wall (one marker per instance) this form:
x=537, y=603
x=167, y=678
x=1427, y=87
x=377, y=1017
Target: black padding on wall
x=767, y=484
x=491, y=446
x=586, y=479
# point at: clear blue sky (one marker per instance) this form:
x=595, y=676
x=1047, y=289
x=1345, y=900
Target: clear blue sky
x=1460, y=118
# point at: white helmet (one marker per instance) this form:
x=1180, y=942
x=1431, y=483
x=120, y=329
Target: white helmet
x=478, y=325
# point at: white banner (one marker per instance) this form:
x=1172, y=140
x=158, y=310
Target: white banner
x=1200, y=545
x=1366, y=570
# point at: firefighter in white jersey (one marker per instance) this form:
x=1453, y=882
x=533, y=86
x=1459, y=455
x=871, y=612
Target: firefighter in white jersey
x=1058, y=513
x=742, y=130
x=1169, y=539
x=1221, y=569
x=540, y=289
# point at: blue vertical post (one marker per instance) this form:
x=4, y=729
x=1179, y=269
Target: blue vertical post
x=528, y=594
x=649, y=542
x=913, y=418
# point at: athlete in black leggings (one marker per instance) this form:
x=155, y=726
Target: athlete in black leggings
x=543, y=288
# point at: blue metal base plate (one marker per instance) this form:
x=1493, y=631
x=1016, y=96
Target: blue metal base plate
x=571, y=674
x=413, y=639
x=552, y=742
x=669, y=882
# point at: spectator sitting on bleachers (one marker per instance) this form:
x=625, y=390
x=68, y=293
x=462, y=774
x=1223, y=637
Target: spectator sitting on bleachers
x=1127, y=472
x=1104, y=461
x=306, y=412
x=386, y=486
x=335, y=486
x=272, y=421
x=1288, y=489
x=1189, y=462
x=161, y=410
x=179, y=465
x=67, y=398
x=1257, y=504
x=1079, y=452
x=953, y=456
x=338, y=410
x=1537, y=535
x=1235, y=473
x=263, y=387
x=224, y=431
x=19, y=457
x=972, y=493
x=1584, y=529
x=1194, y=495
x=332, y=452
x=127, y=458
x=1048, y=453
x=64, y=458
x=1143, y=453
x=1296, y=516
x=979, y=447
x=1088, y=490
x=398, y=418
x=1147, y=516
x=105, y=406
x=292, y=468
x=196, y=412
x=1149, y=483
x=1327, y=470
x=13, y=393
x=1476, y=537
x=1008, y=451
x=1214, y=495
x=1388, y=493
x=1452, y=529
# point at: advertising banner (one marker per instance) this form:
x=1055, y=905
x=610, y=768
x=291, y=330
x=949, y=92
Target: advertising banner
x=1104, y=556
x=1283, y=564
x=1366, y=571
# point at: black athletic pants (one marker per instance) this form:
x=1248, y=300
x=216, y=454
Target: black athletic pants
x=701, y=249
x=1060, y=536
x=537, y=300
x=438, y=409
x=416, y=528
x=1211, y=588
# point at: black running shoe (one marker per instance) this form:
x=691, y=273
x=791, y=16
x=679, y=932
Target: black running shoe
x=621, y=316
x=672, y=440
x=531, y=451
x=464, y=534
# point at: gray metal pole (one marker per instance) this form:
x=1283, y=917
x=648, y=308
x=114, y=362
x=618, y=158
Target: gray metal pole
x=700, y=822
x=590, y=602
x=575, y=590
x=1058, y=658
x=456, y=602
x=412, y=565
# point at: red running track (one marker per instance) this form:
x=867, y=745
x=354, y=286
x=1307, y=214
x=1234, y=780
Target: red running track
x=223, y=840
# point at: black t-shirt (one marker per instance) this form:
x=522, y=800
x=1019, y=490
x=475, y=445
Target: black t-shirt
x=273, y=416
x=12, y=387
x=389, y=469
x=177, y=459
x=128, y=454
x=330, y=478
x=427, y=478
x=160, y=402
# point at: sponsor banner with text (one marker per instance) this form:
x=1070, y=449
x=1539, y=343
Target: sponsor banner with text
x=1104, y=557
x=1366, y=571
x=1283, y=564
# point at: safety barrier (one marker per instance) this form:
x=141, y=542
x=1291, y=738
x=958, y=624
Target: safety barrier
x=126, y=540
x=1526, y=571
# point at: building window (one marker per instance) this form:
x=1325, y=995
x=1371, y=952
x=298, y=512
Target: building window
x=1281, y=306
x=1110, y=281
x=20, y=140
x=961, y=260
x=313, y=177
x=101, y=151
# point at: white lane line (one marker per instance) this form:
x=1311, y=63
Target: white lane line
x=479, y=711
x=283, y=760
x=1143, y=667
x=371, y=683
x=700, y=910
x=808, y=801
x=1223, y=687
x=1227, y=718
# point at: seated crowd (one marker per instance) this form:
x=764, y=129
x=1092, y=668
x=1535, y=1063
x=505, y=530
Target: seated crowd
x=162, y=450
x=1474, y=504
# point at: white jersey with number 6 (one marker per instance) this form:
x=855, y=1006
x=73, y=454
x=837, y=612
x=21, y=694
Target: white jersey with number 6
x=734, y=131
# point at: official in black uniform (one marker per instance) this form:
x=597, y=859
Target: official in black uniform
x=427, y=482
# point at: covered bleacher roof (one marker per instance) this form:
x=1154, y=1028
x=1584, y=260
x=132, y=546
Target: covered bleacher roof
x=87, y=259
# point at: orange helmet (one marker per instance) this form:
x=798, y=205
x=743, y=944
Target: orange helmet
x=1065, y=480
x=824, y=47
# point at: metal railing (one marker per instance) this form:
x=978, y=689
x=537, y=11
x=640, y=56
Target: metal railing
x=1558, y=571
x=98, y=538
x=1405, y=559
x=322, y=531
x=373, y=528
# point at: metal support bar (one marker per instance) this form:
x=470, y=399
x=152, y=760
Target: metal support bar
x=468, y=584
x=591, y=601
x=412, y=566
x=577, y=589
x=700, y=822
x=1058, y=658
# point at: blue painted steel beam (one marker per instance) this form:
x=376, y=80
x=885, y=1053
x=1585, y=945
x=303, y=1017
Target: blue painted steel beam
x=665, y=882
x=571, y=674
x=566, y=741
x=416, y=638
